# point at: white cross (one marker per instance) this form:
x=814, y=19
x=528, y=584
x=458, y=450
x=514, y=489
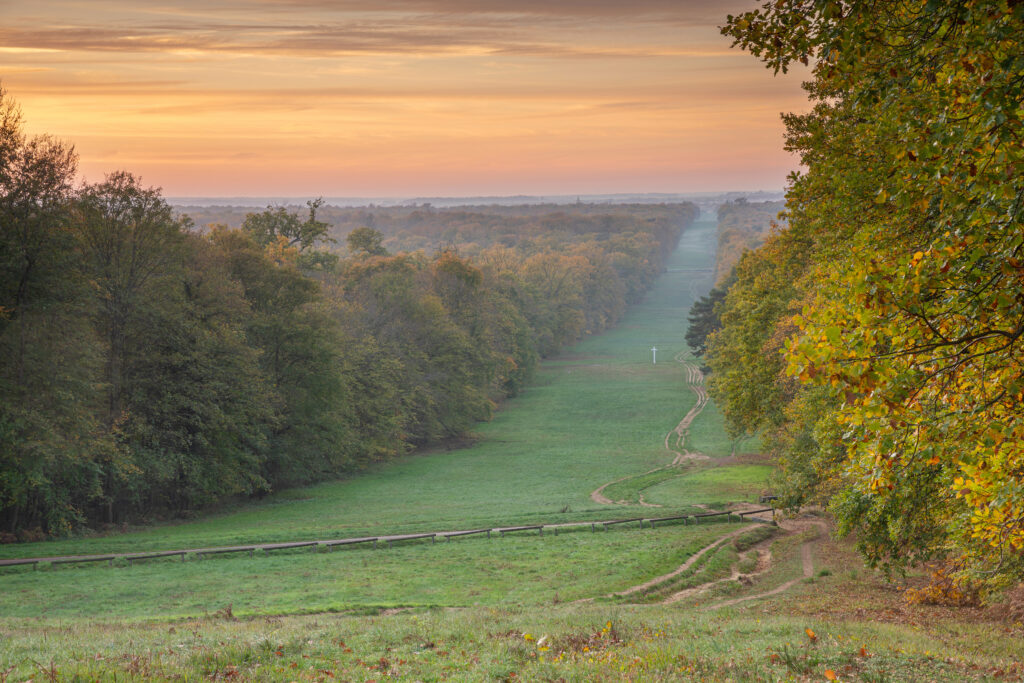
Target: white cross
x=654, y=355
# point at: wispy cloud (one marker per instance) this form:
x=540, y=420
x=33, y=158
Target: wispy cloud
x=337, y=40
x=328, y=28
x=201, y=94
x=684, y=11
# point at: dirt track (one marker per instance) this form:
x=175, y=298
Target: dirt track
x=806, y=559
x=764, y=563
x=695, y=380
x=686, y=565
x=675, y=440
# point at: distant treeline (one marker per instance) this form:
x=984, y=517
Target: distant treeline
x=148, y=368
x=529, y=228
x=742, y=226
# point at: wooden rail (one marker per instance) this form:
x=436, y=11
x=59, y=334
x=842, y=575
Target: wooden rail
x=317, y=545
x=452, y=534
x=623, y=521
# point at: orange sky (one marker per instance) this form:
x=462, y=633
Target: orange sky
x=400, y=97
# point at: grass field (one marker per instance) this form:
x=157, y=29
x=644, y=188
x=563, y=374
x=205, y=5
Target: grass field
x=860, y=633
x=598, y=413
x=522, y=570
x=523, y=607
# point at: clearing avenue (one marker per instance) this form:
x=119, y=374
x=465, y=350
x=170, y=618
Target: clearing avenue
x=602, y=433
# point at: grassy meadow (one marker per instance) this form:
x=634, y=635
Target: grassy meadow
x=523, y=607
x=597, y=413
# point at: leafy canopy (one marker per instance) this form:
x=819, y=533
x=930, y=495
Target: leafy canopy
x=911, y=307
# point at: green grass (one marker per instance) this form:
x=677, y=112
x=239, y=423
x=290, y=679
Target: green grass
x=707, y=435
x=599, y=414
x=631, y=488
x=641, y=643
x=520, y=569
x=478, y=609
x=712, y=486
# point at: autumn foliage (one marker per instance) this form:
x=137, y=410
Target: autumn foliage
x=888, y=361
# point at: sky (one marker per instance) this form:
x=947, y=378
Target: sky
x=384, y=98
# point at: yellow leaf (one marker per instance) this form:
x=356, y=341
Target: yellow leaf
x=810, y=634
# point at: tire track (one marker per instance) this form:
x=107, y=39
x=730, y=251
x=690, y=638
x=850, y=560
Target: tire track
x=807, y=565
x=675, y=440
x=764, y=563
x=690, y=561
x=677, y=437
x=686, y=565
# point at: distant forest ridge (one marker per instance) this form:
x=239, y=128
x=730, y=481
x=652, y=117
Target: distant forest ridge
x=185, y=203
x=468, y=229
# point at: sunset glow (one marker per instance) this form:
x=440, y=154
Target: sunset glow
x=401, y=97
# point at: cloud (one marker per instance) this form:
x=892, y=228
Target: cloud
x=251, y=39
x=322, y=41
x=327, y=28
x=702, y=12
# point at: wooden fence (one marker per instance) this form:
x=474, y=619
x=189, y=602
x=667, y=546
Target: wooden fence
x=327, y=545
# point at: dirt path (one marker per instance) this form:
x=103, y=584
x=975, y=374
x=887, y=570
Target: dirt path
x=686, y=565
x=598, y=494
x=675, y=440
x=764, y=563
x=680, y=569
x=806, y=561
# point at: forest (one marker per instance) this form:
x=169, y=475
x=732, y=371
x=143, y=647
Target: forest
x=875, y=341
x=150, y=367
x=742, y=226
